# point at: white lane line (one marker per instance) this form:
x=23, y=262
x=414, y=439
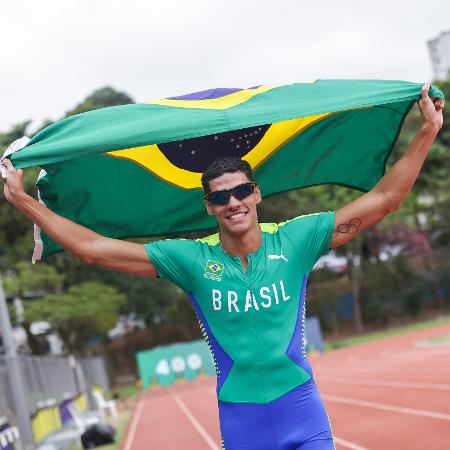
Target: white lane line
x=134, y=424
x=385, y=407
x=187, y=412
x=348, y=444
x=396, y=384
x=382, y=369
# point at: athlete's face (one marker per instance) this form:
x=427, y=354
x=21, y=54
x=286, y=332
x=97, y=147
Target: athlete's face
x=238, y=216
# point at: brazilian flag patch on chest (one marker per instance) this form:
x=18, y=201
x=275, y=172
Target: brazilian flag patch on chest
x=214, y=270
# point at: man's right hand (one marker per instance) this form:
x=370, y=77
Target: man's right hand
x=13, y=183
x=88, y=246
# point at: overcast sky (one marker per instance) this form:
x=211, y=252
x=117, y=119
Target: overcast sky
x=56, y=52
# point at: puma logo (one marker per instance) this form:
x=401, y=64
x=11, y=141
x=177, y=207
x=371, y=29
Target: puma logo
x=280, y=256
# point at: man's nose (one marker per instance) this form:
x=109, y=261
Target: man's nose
x=233, y=201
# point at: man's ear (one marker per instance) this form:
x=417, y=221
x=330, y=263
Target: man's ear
x=208, y=208
x=258, y=195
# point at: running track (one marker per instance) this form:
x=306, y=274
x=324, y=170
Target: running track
x=392, y=394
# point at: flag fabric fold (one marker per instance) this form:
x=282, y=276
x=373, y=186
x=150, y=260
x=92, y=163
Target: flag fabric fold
x=134, y=170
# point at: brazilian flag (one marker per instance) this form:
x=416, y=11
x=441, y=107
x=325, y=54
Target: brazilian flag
x=134, y=170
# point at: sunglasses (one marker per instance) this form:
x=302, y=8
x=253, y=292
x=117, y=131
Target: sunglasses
x=239, y=192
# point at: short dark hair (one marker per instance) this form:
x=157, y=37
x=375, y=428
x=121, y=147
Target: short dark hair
x=224, y=165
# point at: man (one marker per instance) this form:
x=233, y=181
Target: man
x=247, y=284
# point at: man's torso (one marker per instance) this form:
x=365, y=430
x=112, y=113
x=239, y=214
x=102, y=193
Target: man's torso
x=253, y=320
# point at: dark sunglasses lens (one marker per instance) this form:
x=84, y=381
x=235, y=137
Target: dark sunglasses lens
x=243, y=190
x=219, y=197
x=240, y=192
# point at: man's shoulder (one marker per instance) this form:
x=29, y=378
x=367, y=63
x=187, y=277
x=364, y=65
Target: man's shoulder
x=211, y=240
x=171, y=243
x=182, y=243
x=273, y=227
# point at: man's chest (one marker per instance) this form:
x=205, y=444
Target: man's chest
x=223, y=285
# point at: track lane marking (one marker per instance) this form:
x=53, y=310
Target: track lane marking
x=381, y=369
x=348, y=444
x=132, y=430
x=195, y=423
x=386, y=407
x=396, y=384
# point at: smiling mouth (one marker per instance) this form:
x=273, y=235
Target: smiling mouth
x=237, y=216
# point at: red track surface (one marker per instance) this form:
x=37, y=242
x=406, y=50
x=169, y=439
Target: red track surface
x=385, y=395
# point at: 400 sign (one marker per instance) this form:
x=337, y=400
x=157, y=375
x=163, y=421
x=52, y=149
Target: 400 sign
x=178, y=364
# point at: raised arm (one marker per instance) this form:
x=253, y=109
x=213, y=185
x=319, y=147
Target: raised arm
x=388, y=194
x=88, y=246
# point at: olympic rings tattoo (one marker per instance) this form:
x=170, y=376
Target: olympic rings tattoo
x=348, y=228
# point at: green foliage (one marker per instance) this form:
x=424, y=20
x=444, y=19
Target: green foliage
x=126, y=391
x=430, y=195
x=101, y=98
x=85, y=310
x=15, y=230
x=33, y=280
x=12, y=315
x=444, y=135
x=412, y=304
x=16, y=132
x=386, y=288
x=287, y=205
x=181, y=311
x=324, y=294
x=147, y=298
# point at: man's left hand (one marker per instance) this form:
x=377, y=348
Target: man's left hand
x=431, y=109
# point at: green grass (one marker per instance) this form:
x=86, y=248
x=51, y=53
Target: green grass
x=394, y=331
x=125, y=391
x=440, y=339
x=121, y=426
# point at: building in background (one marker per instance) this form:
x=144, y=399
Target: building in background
x=439, y=48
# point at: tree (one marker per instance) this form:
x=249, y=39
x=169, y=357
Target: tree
x=101, y=98
x=327, y=289
x=29, y=280
x=182, y=312
x=147, y=298
x=15, y=230
x=16, y=132
x=444, y=135
x=85, y=311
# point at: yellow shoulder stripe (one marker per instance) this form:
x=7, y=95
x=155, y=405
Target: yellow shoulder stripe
x=211, y=240
x=272, y=228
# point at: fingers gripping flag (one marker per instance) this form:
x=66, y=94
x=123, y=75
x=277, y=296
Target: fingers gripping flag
x=135, y=170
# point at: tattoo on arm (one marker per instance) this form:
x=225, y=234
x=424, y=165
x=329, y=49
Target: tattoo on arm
x=351, y=227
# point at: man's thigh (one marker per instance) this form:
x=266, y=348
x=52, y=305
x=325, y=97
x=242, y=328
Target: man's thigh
x=320, y=444
x=296, y=419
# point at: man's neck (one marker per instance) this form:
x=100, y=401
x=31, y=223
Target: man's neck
x=242, y=245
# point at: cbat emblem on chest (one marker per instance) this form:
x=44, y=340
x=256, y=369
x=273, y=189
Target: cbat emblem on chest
x=213, y=270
